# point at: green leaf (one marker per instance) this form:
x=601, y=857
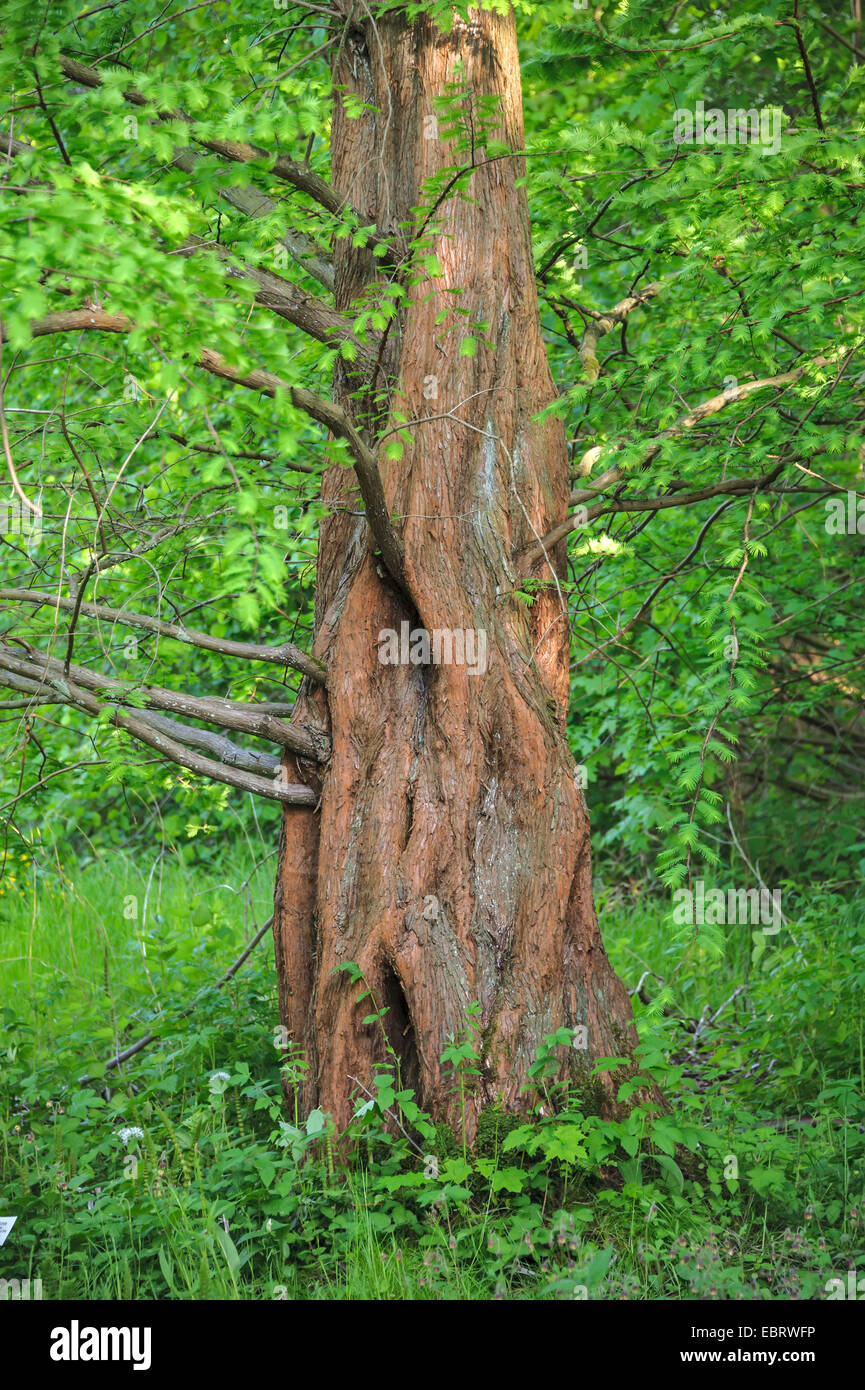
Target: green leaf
x=674, y=1173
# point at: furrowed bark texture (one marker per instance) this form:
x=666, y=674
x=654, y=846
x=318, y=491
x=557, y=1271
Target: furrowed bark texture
x=450, y=855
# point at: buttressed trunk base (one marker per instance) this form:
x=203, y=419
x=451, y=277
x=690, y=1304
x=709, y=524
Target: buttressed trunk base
x=449, y=857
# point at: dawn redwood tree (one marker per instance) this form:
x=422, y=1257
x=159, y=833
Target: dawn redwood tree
x=449, y=856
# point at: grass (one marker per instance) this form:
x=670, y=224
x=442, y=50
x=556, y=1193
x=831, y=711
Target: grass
x=180, y=1176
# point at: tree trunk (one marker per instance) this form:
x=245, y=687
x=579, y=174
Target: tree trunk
x=449, y=857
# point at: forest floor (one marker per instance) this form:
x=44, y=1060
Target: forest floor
x=180, y=1176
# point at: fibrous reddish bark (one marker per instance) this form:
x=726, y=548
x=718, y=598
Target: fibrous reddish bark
x=450, y=854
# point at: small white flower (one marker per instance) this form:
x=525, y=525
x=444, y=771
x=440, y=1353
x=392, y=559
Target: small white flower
x=130, y=1132
x=218, y=1082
